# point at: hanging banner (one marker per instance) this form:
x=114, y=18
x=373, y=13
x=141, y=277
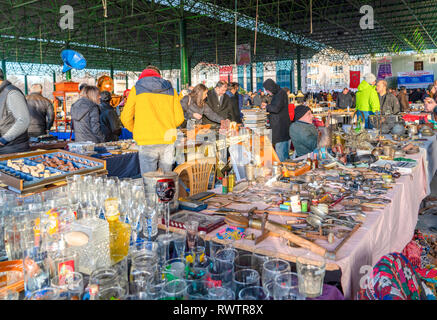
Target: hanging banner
x=415, y=79
x=243, y=54
x=384, y=68
x=226, y=73
x=354, y=79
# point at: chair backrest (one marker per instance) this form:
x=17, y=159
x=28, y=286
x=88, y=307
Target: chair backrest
x=198, y=172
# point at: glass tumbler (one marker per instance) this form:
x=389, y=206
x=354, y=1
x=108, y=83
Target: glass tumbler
x=198, y=290
x=45, y=294
x=285, y=287
x=226, y=255
x=244, y=278
x=179, y=242
x=174, y=269
x=272, y=268
x=175, y=290
x=192, y=227
x=244, y=261
x=311, y=272
x=253, y=293
x=220, y=274
x=221, y=293
x=36, y=270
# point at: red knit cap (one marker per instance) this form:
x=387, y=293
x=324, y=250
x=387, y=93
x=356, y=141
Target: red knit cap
x=149, y=73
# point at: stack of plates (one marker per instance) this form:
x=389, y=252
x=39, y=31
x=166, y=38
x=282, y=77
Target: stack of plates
x=254, y=119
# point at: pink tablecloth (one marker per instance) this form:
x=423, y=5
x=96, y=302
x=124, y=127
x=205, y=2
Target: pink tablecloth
x=383, y=231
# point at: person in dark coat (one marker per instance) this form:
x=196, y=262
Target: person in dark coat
x=109, y=121
x=279, y=118
x=219, y=102
x=195, y=107
x=42, y=113
x=388, y=102
x=403, y=99
x=14, y=118
x=85, y=115
x=344, y=99
x=236, y=101
x=303, y=133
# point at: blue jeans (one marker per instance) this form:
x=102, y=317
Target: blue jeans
x=283, y=150
x=156, y=156
x=366, y=117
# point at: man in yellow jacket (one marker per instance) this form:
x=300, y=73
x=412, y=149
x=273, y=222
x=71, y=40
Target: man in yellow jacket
x=152, y=113
x=367, y=99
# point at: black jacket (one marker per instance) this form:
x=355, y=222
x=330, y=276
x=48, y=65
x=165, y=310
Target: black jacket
x=235, y=114
x=85, y=115
x=190, y=107
x=110, y=123
x=278, y=112
x=389, y=104
x=344, y=100
x=224, y=109
x=42, y=114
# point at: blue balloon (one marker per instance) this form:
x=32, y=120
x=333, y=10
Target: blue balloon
x=72, y=60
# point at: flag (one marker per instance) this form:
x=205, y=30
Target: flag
x=354, y=79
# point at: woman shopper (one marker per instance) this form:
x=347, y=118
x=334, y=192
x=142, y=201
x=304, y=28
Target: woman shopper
x=109, y=120
x=85, y=116
x=195, y=107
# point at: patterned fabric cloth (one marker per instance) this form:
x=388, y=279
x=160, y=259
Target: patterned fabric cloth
x=393, y=278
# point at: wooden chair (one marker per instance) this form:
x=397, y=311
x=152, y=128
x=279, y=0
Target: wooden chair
x=195, y=175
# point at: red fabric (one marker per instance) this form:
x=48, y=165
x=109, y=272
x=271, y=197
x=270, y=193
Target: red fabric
x=149, y=73
x=291, y=111
x=318, y=123
x=126, y=93
x=413, y=251
x=354, y=79
x=414, y=117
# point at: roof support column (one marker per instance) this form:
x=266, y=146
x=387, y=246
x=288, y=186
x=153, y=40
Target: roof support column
x=68, y=75
x=299, y=70
x=250, y=80
x=4, y=68
x=26, y=87
x=292, y=76
x=112, y=72
x=54, y=81
x=127, y=81
x=183, y=54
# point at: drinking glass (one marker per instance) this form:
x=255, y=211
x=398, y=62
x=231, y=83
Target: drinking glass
x=175, y=290
x=163, y=241
x=214, y=247
x=244, y=278
x=220, y=274
x=272, y=268
x=243, y=261
x=226, y=255
x=36, y=270
x=174, y=269
x=192, y=227
x=71, y=287
x=111, y=293
x=198, y=290
x=221, y=293
x=45, y=294
x=311, y=272
x=142, y=272
x=253, y=293
x=103, y=278
x=155, y=290
x=258, y=262
x=179, y=241
x=285, y=287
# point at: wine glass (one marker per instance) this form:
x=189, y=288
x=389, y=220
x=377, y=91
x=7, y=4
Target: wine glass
x=165, y=190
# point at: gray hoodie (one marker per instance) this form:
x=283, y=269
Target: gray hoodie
x=85, y=115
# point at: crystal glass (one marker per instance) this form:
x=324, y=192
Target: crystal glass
x=142, y=272
x=258, y=262
x=111, y=293
x=198, y=290
x=192, y=227
x=36, y=270
x=244, y=278
x=253, y=293
x=70, y=288
x=221, y=293
x=285, y=287
x=214, y=247
x=155, y=290
x=164, y=241
x=179, y=241
x=45, y=294
x=103, y=278
x=175, y=290
x=311, y=272
x=243, y=261
x=174, y=269
x=272, y=268
x=226, y=255
x=220, y=274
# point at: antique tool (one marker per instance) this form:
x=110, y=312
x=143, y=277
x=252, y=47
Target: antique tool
x=346, y=238
x=264, y=233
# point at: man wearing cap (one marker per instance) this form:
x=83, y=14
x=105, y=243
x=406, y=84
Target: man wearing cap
x=367, y=100
x=303, y=133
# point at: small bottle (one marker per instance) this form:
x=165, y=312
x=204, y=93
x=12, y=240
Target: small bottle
x=309, y=162
x=315, y=162
x=225, y=184
x=231, y=181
